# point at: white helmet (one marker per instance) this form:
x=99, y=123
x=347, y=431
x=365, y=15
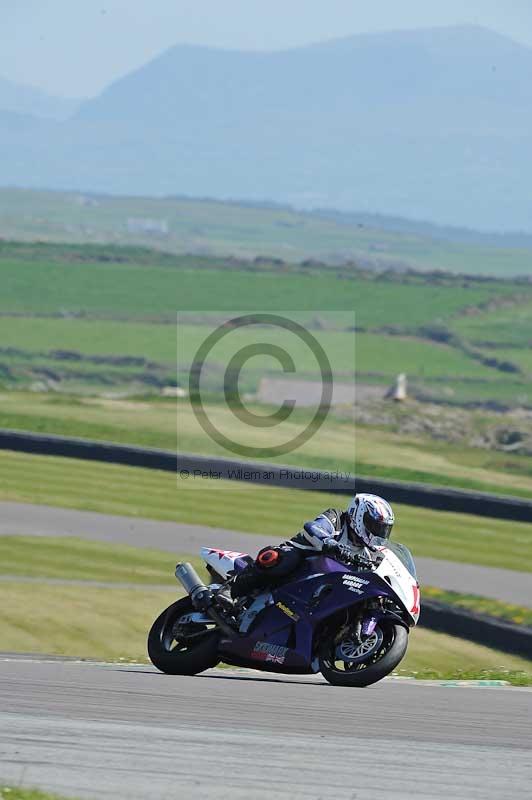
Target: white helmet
x=370, y=515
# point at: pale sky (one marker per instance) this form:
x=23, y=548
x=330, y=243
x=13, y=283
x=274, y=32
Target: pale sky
x=77, y=47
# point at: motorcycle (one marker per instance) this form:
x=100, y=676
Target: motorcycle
x=348, y=619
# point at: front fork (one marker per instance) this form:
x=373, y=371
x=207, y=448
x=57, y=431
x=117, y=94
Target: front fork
x=365, y=621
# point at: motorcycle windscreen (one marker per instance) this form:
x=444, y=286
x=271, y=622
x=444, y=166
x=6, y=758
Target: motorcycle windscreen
x=403, y=553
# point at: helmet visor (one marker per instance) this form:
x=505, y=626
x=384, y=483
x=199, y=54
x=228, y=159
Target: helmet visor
x=377, y=527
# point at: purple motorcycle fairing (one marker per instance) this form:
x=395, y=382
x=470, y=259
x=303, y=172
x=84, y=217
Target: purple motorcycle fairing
x=281, y=637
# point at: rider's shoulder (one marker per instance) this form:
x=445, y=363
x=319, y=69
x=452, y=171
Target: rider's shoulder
x=334, y=515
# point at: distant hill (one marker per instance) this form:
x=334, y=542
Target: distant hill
x=432, y=124
x=22, y=99
x=259, y=231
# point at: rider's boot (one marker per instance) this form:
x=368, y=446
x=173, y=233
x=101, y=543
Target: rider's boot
x=223, y=596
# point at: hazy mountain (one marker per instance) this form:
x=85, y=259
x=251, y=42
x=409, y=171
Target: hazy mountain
x=369, y=74
x=433, y=124
x=22, y=99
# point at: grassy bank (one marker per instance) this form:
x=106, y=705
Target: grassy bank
x=340, y=444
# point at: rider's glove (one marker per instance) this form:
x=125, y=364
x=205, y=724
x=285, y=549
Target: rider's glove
x=362, y=562
x=337, y=550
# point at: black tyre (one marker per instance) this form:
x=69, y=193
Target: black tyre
x=345, y=661
x=182, y=649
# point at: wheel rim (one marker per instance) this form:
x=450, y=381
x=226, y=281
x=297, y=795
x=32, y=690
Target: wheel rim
x=352, y=654
x=178, y=638
x=352, y=650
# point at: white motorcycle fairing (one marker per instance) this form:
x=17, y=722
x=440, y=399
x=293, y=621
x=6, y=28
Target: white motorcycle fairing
x=405, y=585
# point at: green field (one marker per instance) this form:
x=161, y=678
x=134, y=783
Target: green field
x=154, y=342
x=503, y=333
x=123, y=289
x=95, y=319
x=203, y=226
x=511, y=326
x=521, y=356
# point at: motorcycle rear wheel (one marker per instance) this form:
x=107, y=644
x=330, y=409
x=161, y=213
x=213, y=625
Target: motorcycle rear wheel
x=182, y=652
x=380, y=661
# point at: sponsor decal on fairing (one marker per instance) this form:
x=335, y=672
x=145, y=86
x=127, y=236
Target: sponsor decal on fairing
x=353, y=583
x=274, y=653
x=288, y=611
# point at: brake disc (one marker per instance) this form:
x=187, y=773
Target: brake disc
x=352, y=649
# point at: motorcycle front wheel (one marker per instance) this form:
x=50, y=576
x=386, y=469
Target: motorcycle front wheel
x=179, y=648
x=346, y=661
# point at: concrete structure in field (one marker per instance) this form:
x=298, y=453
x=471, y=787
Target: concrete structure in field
x=86, y=201
x=308, y=393
x=153, y=227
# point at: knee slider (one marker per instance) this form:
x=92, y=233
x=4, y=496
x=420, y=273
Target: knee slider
x=268, y=557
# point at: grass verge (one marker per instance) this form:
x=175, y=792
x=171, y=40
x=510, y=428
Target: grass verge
x=80, y=559
x=438, y=656
x=277, y=512
x=515, y=677
x=86, y=622
x=12, y=793
x=520, y=615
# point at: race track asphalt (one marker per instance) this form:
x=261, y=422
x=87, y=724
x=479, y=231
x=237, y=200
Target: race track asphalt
x=34, y=520
x=107, y=731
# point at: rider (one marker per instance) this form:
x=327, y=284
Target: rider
x=345, y=534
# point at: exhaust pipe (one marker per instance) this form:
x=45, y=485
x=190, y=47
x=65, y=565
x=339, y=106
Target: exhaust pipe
x=201, y=595
x=193, y=585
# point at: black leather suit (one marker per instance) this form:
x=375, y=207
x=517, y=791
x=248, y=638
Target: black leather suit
x=274, y=564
